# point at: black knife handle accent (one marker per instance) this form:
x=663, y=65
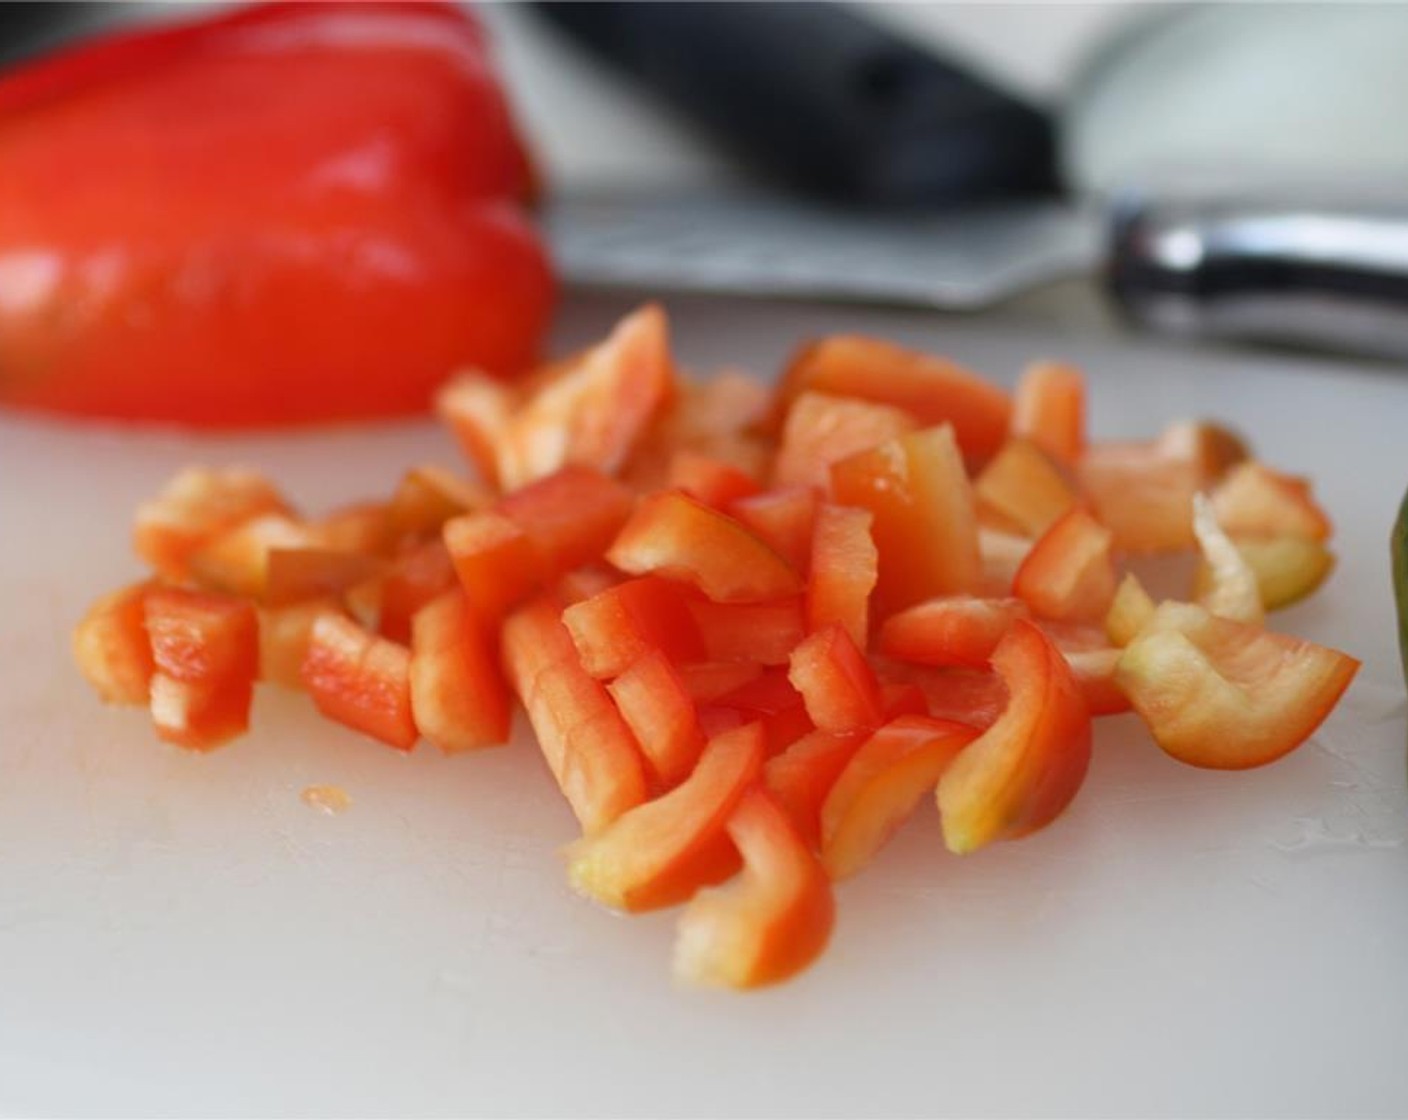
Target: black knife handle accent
x=823, y=99
x=1313, y=275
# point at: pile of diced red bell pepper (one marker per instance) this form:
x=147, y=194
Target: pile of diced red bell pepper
x=751, y=627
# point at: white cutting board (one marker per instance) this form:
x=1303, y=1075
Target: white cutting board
x=180, y=934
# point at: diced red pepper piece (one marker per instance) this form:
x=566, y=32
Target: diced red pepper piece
x=1131, y=609
x=1048, y=408
x=458, y=696
x=924, y=525
x=570, y=516
x=800, y=778
x=1092, y=658
x=497, y=562
x=770, y=700
x=902, y=700
x=284, y=633
x=236, y=560
x=591, y=752
x=715, y=417
x=360, y=527
x=585, y=582
x=969, y=696
x=762, y=632
x=196, y=506
x=674, y=535
x=1094, y=670
x=1144, y=499
x=1143, y=491
x=205, y=649
x=1255, y=501
x=931, y=389
x=1228, y=695
x=1210, y=448
x=768, y=924
x=836, y=682
x=660, y=712
x=613, y=629
x=360, y=680
x=414, y=578
x=783, y=519
x=294, y=575
x=1002, y=554
x=478, y=408
x=954, y=630
x=427, y=497
x=551, y=526
x=1069, y=575
x=727, y=403
x=1230, y=589
x=707, y=681
x=112, y=649
x=1025, y=488
x=362, y=602
x=659, y=853
x=880, y=786
x=712, y=481
x=844, y=569
x=1022, y=771
x=594, y=410
x=1287, y=568
x=821, y=428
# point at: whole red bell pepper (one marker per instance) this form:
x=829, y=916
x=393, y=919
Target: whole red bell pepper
x=291, y=212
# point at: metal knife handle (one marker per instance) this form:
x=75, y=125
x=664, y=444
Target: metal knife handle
x=824, y=99
x=1327, y=278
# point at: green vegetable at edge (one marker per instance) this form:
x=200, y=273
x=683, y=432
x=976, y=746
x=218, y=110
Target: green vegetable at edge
x=1398, y=545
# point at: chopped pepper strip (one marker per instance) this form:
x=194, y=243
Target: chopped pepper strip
x=931, y=389
x=205, y=649
x=955, y=630
x=843, y=572
x=821, y=429
x=1025, y=488
x=1228, y=695
x=1069, y=575
x=1022, y=771
x=659, y=853
x=674, y=535
x=657, y=707
x=591, y=752
x=880, y=786
x=769, y=924
x=1286, y=568
x=360, y=679
x=1048, y=408
x=801, y=777
x=112, y=649
x=1231, y=589
x=458, y=696
x=924, y=526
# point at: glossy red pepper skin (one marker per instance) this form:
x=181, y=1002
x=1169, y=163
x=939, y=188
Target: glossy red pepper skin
x=294, y=212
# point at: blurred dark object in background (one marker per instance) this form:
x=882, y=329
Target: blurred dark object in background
x=825, y=100
x=32, y=27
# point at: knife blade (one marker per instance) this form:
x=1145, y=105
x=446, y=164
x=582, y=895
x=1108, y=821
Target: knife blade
x=762, y=245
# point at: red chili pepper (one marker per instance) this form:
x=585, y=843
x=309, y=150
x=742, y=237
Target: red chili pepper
x=293, y=212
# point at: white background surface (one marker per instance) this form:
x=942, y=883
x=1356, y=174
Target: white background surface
x=180, y=935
